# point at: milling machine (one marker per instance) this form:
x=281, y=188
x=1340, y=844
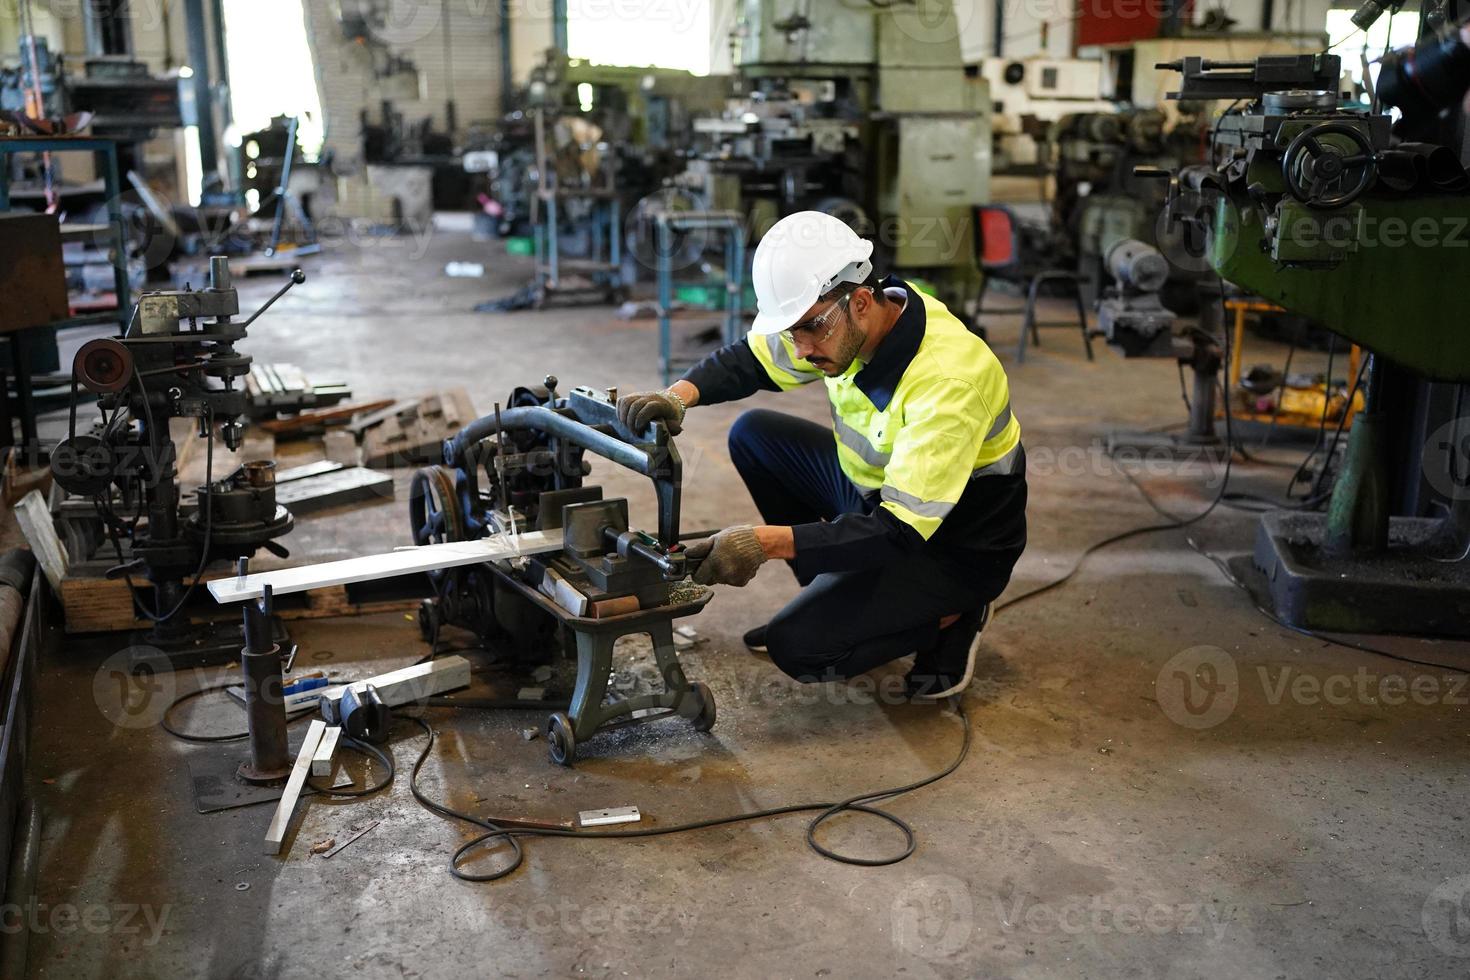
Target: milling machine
x=864, y=111
x=1310, y=201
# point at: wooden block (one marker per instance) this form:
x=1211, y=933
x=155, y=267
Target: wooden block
x=32, y=276
x=320, y=416
x=614, y=607
x=413, y=683
x=341, y=447
x=416, y=434
x=275, y=834
x=92, y=604
x=563, y=593
x=321, y=760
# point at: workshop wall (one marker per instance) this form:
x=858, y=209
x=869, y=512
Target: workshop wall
x=351, y=79
x=1024, y=19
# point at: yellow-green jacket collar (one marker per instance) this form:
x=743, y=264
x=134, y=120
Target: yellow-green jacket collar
x=878, y=379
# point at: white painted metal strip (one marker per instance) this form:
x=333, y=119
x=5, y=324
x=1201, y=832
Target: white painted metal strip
x=321, y=759
x=276, y=833
x=428, y=558
x=412, y=683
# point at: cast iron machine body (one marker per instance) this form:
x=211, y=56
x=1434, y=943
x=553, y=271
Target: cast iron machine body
x=521, y=469
x=1312, y=203
x=177, y=360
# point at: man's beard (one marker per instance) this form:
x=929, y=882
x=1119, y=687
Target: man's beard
x=848, y=346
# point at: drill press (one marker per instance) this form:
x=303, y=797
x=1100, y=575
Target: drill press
x=177, y=359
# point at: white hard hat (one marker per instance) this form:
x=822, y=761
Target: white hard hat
x=799, y=260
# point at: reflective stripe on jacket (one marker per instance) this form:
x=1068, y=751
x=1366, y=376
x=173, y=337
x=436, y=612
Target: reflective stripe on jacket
x=927, y=416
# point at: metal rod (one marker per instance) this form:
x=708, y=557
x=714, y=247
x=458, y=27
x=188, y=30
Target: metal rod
x=297, y=277
x=196, y=25
x=500, y=471
x=281, y=199
x=540, y=419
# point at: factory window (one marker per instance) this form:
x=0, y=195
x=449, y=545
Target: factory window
x=271, y=69
x=1351, y=44
x=663, y=34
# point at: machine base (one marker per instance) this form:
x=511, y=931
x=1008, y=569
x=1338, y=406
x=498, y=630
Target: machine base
x=1413, y=588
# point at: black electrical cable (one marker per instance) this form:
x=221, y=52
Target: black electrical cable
x=1225, y=570
x=385, y=759
x=1321, y=439
x=1276, y=409
x=862, y=803
x=1346, y=37
x=1175, y=522
x=1347, y=409
x=211, y=689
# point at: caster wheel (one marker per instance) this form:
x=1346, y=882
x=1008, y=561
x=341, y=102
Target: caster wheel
x=704, y=719
x=561, y=743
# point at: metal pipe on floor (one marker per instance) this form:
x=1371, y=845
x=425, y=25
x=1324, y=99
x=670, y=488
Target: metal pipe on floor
x=265, y=702
x=20, y=888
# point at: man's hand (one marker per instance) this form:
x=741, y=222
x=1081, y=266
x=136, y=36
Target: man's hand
x=730, y=557
x=641, y=408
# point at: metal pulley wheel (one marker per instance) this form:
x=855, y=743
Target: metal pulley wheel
x=1328, y=165
x=103, y=366
x=434, y=513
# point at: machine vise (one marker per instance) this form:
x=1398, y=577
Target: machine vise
x=523, y=468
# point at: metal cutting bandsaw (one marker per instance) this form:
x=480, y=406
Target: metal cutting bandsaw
x=522, y=469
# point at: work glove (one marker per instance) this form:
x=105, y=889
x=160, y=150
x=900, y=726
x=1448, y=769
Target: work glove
x=730, y=557
x=637, y=410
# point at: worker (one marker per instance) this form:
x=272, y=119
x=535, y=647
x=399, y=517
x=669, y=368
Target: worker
x=903, y=520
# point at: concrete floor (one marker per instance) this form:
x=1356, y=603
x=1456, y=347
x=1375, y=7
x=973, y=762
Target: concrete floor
x=1283, y=811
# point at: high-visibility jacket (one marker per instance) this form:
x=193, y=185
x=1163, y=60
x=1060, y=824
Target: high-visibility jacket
x=924, y=428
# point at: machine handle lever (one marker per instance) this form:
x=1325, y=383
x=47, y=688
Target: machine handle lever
x=297, y=278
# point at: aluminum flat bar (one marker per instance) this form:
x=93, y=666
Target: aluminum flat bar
x=428, y=558
x=276, y=833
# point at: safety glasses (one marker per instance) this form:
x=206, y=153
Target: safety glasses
x=806, y=333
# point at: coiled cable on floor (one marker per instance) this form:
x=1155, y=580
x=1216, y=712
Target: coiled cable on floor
x=211, y=689
x=384, y=758
x=503, y=833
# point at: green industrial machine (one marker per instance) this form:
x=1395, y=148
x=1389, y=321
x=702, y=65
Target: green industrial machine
x=863, y=111
x=1309, y=202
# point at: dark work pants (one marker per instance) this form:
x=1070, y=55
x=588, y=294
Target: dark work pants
x=844, y=623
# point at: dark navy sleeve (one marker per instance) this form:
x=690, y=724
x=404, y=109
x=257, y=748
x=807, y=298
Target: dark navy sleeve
x=852, y=542
x=729, y=374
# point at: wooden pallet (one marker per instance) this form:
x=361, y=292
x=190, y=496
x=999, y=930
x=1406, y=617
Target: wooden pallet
x=93, y=604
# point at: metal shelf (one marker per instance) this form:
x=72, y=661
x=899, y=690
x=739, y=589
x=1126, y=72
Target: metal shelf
x=111, y=186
